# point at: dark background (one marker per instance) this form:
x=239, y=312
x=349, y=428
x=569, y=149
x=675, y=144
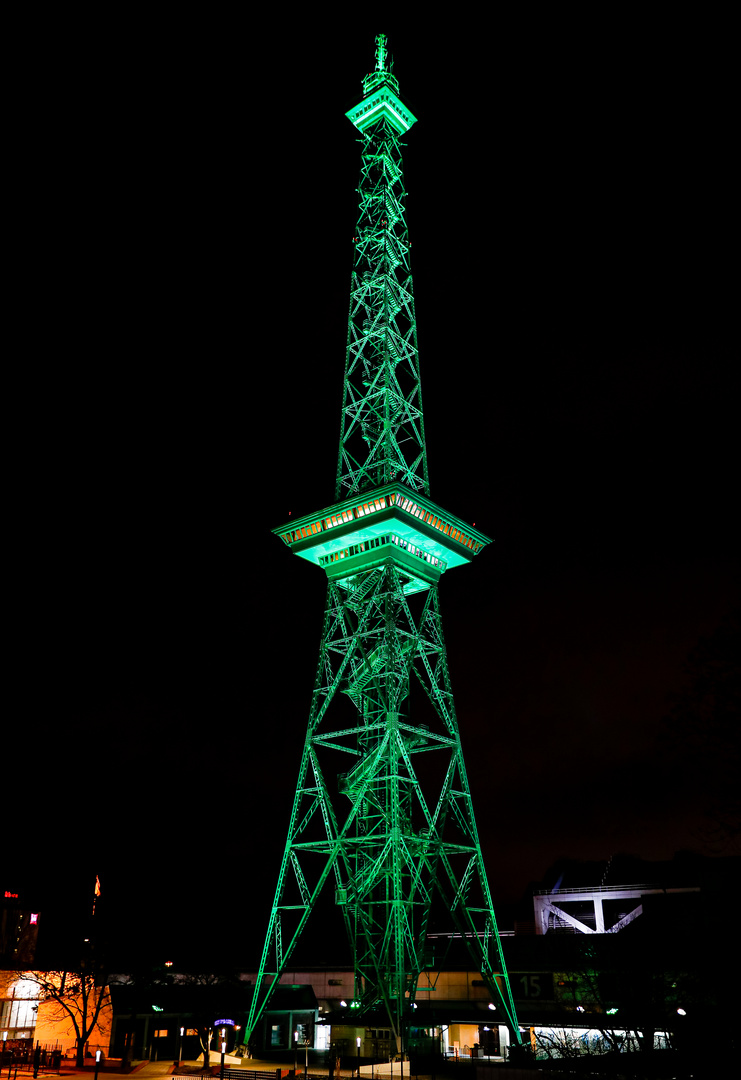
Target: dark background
x=182, y=218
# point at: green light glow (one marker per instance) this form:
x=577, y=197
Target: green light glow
x=382, y=436
x=382, y=813
x=443, y=540
x=381, y=76
x=383, y=105
x=381, y=52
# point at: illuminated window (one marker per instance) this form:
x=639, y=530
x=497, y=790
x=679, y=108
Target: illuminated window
x=19, y=1011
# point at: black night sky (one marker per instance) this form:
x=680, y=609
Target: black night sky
x=183, y=217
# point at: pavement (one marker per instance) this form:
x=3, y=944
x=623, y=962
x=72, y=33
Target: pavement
x=154, y=1070
x=145, y=1070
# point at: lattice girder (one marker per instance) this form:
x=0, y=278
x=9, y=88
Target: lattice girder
x=382, y=428
x=393, y=838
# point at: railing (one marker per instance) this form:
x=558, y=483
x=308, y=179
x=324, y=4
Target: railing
x=27, y=1068
x=595, y=889
x=233, y=1074
x=380, y=541
x=30, y=1060
x=305, y=529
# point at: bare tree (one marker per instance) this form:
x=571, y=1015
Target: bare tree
x=71, y=997
x=624, y=990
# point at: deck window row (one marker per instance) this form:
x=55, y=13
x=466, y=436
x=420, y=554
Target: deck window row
x=372, y=506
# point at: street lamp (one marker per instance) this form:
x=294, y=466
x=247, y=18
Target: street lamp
x=357, y=1043
x=223, y=1051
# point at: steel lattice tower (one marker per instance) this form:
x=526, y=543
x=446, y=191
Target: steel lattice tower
x=382, y=811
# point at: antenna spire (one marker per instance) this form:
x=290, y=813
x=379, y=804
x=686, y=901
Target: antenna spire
x=381, y=52
x=381, y=75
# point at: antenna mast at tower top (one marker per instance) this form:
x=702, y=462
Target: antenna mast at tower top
x=382, y=72
x=381, y=52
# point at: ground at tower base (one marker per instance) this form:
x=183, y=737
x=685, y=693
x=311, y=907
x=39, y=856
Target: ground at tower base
x=595, y=969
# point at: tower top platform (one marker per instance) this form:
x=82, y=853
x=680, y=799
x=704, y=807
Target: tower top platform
x=381, y=97
x=390, y=521
x=383, y=103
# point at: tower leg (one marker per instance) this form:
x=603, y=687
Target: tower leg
x=382, y=804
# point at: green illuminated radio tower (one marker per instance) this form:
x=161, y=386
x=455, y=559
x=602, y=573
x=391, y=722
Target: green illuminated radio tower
x=382, y=814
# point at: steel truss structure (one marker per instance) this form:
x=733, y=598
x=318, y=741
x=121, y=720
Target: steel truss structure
x=382, y=431
x=382, y=812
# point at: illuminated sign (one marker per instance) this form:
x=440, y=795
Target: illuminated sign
x=222, y=1023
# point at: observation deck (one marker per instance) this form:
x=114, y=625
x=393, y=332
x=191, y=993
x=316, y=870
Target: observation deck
x=390, y=522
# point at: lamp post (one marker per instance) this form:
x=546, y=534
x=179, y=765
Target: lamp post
x=357, y=1043
x=222, y=1035
x=295, y=1052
